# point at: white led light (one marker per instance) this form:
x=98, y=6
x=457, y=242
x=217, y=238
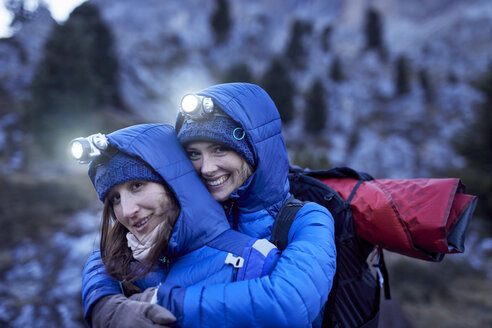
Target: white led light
x=189, y=103
x=77, y=150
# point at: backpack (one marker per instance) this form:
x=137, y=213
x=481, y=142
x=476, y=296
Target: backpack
x=354, y=299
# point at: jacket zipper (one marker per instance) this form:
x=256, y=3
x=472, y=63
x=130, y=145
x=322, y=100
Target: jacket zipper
x=235, y=220
x=166, y=262
x=232, y=213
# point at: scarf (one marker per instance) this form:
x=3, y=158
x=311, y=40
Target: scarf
x=141, y=249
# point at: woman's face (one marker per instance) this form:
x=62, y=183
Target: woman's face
x=141, y=205
x=221, y=169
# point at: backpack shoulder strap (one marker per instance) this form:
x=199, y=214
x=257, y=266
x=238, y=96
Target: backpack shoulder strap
x=283, y=221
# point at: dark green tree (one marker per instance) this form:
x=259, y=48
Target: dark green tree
x=336, y=70
x=452, y=78
x=402, y=75
x=77, y=76
x=307, y=158
x=296, y=51
x=426, y=85
x=238, y=73
x=326, y=38
x=278, y=84
x=221, y=21
x=475, y=145
x=373, y=30
x=316, y=108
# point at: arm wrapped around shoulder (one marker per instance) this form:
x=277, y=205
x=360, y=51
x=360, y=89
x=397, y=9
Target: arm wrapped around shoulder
x=118, y=311
x=291, y=295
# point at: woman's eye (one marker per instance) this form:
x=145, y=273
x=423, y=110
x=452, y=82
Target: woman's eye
x=136, y=185
x=114, y=199
x=192, y=155
x=219, y=149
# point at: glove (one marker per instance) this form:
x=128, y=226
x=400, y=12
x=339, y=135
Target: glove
x=145, y=296
x=117, y=311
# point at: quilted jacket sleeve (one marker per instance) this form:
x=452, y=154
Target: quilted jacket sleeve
x=96, y=283
x=291, y=296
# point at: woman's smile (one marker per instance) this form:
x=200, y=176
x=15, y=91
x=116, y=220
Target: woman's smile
x=141, y=224
x=217, y=182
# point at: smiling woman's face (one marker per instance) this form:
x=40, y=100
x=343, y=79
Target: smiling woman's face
x=141, y=206
x=222, y=169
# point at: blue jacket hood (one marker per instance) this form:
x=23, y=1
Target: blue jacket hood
x=201, y=218
x=251, y=107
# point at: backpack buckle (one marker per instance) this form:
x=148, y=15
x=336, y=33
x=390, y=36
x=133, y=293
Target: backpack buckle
x=236, y=262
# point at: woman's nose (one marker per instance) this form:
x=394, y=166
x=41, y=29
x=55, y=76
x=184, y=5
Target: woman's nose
x=129, y=206
x=209, y=165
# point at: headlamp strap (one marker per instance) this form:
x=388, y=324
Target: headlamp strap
x=105, y=156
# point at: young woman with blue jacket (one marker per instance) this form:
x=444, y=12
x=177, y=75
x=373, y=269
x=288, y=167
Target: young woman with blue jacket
x=242, y=119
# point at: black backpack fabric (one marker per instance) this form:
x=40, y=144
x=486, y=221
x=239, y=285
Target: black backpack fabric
x=355, y=295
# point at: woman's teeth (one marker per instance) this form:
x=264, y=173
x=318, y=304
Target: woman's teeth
x=141, y=223
x=217, y=182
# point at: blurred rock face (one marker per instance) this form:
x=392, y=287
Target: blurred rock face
x=166, y=49
x=21, y=53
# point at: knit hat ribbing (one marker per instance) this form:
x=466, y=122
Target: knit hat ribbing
x=221, y=130
x=119, y=169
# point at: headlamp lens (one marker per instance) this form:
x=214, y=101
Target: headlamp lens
x=190, y=103
x=77, y=149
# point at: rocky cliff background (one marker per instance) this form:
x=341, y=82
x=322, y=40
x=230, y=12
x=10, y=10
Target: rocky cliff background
x=391, y=87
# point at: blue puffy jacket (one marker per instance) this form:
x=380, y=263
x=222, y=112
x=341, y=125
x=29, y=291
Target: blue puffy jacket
x=192, y=255
x=294, y=293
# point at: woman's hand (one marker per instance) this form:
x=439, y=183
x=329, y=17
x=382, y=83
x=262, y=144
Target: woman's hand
x=119, y=311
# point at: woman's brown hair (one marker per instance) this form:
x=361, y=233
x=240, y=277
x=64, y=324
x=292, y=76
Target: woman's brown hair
x=117, y=256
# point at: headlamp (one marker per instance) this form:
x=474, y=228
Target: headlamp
x=197, y=107
x=86, y=149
